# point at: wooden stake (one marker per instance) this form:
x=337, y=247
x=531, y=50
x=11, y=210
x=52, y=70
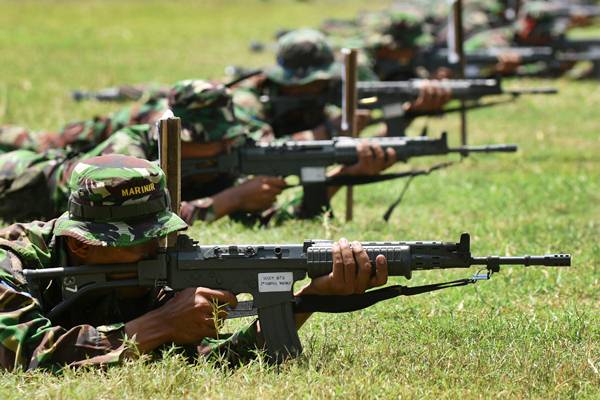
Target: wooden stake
x=170, y=162
x=458, y=48
x=349, y=101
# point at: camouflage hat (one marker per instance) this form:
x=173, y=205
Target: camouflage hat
x=303, y=56
x=117, y=201
x=206, y=111
x=396, y=29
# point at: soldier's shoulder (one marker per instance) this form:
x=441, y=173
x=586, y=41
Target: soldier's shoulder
x=33, y=244
x=133, y=140
x=17, y=161
x=497, y=37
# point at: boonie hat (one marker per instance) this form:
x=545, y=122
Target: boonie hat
x=206, y=110
x=395, y=29
x=303, y=56
x=118, y=201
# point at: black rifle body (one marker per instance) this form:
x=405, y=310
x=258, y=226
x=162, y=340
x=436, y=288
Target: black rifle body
x=390, y=96
x=475, y=60
x=267, y=272
x=303, y=158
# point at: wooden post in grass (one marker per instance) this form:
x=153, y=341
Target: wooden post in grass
x=169, y=130
x=456, y=55
x=349, y=101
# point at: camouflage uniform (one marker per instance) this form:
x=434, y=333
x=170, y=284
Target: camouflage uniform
x=93, y=333
x=534, y=26
x=83, y=135
x=303, y=57
x=389, y=37
x=207, y=115
x=535, y=21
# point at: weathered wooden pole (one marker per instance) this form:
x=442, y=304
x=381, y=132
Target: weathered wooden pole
x=169, y=131
x=349, y=101
x=456, y=55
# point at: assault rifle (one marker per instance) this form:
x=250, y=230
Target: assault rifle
x=390, y=97
x=571, y=47
x=136, y=92
x=475, y=60
x=387, y=96
x=268, y=272
x=569, y=10
x=117, y=94
x=309, y=159
x=435, y=57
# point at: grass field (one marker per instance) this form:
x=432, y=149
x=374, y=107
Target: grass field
x=525, y=334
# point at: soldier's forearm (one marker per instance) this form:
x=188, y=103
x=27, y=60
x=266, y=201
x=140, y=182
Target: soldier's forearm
x=226, y=202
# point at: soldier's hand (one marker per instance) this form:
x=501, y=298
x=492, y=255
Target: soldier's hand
x=432, y=97
x=442, y=73
x=372, y=159
x=190, y=316
x=508, y=63
x=194, y=313
x=352, y=272
x=258, y=193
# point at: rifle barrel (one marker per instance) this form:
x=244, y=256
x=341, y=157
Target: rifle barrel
x=548, y=260
x=543, y=90
x=492, y=148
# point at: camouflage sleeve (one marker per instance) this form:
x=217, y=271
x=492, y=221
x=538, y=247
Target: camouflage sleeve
x=131, y=141
x=29, y=340
x=19, y=138
x=237, y=348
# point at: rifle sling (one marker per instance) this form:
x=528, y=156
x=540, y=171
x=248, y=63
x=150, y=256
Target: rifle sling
x=355, y=302
x=395, y=204
x=366, y=179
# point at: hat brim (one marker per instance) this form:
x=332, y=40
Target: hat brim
x=119, y=233
x=288, y=76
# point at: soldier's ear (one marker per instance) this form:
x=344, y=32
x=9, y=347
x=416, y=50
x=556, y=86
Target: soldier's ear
x=78, y=248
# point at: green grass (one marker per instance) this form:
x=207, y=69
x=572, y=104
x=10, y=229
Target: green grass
x=531, y=333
